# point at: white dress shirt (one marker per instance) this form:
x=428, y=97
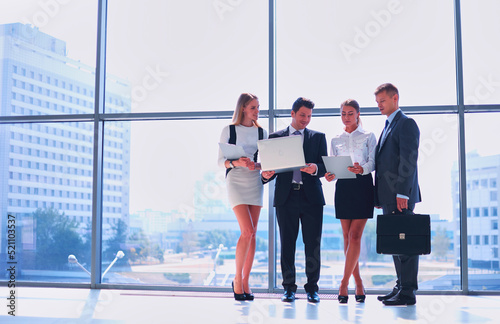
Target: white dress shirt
x=386, y=130
x=359, y=145
x=292, y=130
x=246, y=137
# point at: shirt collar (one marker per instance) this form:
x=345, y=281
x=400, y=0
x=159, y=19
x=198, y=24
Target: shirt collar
x=292, y=130
x=391, y=116
x=357, y=130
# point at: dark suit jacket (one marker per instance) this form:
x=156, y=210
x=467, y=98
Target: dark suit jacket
x=314, y=149
x=396, y=162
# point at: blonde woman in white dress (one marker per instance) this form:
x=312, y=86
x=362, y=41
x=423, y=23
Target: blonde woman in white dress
x=244, y=187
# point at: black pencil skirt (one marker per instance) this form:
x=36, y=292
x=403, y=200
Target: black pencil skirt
x=354, y=198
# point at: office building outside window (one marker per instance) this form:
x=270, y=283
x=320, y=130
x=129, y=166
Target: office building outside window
x=49, y=186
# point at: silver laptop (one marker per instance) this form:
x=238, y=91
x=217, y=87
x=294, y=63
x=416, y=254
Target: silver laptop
x=281, y=154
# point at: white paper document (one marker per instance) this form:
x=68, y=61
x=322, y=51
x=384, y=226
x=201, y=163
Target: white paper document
x=231, y=151
x=338, y=166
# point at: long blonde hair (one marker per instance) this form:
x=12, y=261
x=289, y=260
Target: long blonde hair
x=243, y=101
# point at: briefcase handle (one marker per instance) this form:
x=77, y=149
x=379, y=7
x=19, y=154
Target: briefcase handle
x=404, y=212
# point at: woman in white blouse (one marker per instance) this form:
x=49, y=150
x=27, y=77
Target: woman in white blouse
x=244, y=186
x=354, y=198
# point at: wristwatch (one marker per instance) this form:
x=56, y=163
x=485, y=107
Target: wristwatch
x=231, y=164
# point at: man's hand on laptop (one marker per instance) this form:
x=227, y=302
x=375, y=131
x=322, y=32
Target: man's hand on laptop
x=310, y=168
x=267, y=174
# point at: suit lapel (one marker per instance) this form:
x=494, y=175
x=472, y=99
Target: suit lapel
x=380, y=145
x=286, y=132
x=379, y=142
x=307, y=136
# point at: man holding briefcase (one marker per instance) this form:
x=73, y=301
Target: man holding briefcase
x=396, y=183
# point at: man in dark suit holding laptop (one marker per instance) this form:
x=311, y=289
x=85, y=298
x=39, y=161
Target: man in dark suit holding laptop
x=298, y=197
x=396, y=183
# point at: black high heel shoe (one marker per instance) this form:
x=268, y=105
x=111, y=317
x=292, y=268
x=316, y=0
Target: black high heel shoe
x=360, y=298
x=237, y=296
x=343, y=299
x=248, y=296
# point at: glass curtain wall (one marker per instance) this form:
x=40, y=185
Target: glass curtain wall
x=171, y=219
x=46, y=171
x=481, y=94
x=174, y=71
x=180, y=56
x=331, y=51
x=334, y=50
x=483, y=176
x=178, y=229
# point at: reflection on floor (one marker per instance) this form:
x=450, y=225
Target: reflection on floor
x=58, y=305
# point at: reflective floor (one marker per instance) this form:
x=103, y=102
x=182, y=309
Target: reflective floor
x=58, y=305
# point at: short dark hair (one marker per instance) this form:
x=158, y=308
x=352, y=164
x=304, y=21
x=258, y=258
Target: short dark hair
x=389, y=88
x=302, y=102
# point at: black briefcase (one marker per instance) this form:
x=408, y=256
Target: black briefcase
x=406, y=234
